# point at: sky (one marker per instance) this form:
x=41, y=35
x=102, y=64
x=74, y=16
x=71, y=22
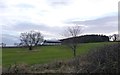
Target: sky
x=52, y=17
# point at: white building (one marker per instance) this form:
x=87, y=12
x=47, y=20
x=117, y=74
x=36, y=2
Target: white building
x=52, y=42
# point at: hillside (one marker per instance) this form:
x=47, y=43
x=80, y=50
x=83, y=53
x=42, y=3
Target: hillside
x=43, y=54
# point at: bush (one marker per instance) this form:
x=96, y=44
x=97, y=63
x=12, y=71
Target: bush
x=103, y=60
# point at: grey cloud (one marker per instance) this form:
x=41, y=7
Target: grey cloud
x=55, y=3
x=9, y=39
x=101, y=29
x=27, y=26
x=23, y=26
x=23, y=5
x=3, y=7
x=100, y=21
x=101, y=25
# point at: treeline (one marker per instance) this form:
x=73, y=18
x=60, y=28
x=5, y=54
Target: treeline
x=86, y=39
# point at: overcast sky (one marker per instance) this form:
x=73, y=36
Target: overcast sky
x=51, y=17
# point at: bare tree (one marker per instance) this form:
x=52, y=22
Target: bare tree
x=3, y=44
x=31, y=39
x=72, y=32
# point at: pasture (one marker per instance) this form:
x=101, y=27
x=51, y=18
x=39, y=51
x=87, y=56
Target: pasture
x=44, y=54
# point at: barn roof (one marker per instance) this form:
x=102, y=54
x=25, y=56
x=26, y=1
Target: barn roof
x=52, y=41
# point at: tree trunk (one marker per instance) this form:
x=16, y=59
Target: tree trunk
x=30, y=47
x=74, y=51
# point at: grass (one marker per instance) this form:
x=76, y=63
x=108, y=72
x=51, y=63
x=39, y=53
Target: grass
x=43, y=54
x=0, y=57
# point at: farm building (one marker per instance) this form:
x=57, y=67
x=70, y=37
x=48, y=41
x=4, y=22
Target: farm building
x=51, y=42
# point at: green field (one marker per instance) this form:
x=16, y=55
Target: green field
x=43, y=54
x=0, y=57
